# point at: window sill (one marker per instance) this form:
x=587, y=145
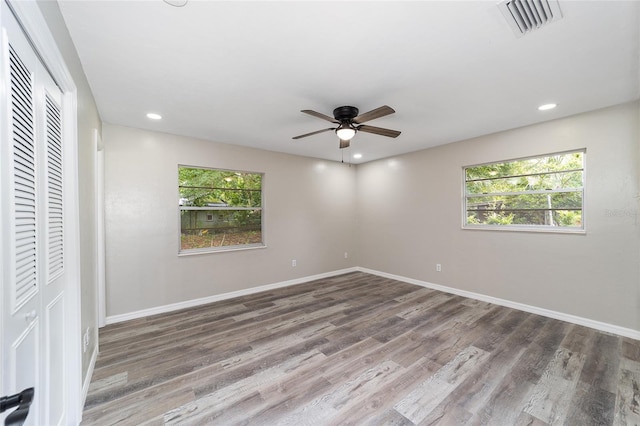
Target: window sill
x=227, y=249
x=531, y=229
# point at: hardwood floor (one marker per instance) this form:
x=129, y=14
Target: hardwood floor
x=361, y=349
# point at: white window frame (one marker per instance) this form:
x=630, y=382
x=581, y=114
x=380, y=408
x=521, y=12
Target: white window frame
x=219, y=249
x=526, y=228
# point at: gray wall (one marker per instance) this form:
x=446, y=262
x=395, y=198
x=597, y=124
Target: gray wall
x=400, y=215
x=88, y=120
x=411, y=214
x=309, y=216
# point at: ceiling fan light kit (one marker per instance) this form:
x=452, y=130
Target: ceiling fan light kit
x=346, y=132
x=349, y=123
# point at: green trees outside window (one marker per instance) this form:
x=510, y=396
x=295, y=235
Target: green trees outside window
x=543, y=192
x=219, y=209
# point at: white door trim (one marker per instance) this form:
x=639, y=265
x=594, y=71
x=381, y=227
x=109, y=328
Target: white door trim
x=100, y=232
x=30, y=17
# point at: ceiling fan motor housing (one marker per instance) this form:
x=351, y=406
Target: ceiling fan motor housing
x=345, y=113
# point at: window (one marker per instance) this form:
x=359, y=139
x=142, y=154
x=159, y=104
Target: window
x=219, y=209
x=539, y=193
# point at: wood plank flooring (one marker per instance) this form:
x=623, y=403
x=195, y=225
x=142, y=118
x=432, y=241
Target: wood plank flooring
x=361, y=349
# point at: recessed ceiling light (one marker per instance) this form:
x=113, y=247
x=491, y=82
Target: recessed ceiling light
x=357, y=156
x=547, y=106
x=176, y=3
x=154, y=116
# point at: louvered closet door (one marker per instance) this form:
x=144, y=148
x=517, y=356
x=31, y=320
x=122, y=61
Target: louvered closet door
x=32, y=211
x=52, y=229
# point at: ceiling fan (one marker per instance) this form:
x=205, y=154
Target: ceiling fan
x=349, y=122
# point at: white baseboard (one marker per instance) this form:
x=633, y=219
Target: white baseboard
x=87, y=378
x=598, y=325
x=218, y=297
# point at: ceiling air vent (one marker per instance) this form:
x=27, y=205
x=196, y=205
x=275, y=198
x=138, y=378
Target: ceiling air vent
x=524, y=16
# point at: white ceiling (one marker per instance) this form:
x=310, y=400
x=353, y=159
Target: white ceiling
x=240, y=72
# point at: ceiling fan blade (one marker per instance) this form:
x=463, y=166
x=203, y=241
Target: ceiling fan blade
x=319, y=115
x=379, y=131
x=373, y=114
x=344, y=143
x=313, y=133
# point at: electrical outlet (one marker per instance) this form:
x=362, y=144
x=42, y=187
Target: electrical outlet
x=438, y=267
x=346, y=255
x=294, y=263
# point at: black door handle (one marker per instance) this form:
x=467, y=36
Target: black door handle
x=21, y=400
